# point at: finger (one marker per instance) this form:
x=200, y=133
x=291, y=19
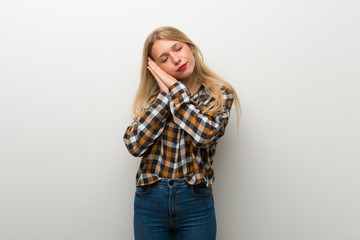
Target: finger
x=161, y=74
x=161, y=85
x=165, y=77
x=154, y=65
x=154, y=73
x=157, y=72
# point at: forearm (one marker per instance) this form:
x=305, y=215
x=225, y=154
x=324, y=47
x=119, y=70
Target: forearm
x=203, y=128
x=144, y=130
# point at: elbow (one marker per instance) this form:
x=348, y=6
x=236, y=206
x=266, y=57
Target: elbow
x=133, y=149
x=204, y=141
x=200, y=145
x=136, y=152
x=136, y=148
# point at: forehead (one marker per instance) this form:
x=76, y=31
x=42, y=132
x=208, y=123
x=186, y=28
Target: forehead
x=162, y=45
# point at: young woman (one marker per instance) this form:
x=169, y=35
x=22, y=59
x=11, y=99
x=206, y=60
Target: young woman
x=180, y=111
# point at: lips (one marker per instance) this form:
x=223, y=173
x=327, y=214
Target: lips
x=182, y=67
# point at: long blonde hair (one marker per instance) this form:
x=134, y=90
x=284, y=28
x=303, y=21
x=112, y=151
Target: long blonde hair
x=148, y=88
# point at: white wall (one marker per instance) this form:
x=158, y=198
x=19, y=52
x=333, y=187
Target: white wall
x=69, y=71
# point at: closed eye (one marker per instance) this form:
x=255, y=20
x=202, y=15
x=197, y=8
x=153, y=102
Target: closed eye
x=167, y=58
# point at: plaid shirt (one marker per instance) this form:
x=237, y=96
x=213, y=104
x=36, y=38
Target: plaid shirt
x=175, y=139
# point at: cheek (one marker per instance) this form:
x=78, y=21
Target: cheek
x=189, y=54
x=191, y=57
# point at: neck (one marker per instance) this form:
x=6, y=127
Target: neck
x=190, y=82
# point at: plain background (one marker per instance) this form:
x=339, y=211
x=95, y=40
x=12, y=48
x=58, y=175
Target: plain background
x=69, y=71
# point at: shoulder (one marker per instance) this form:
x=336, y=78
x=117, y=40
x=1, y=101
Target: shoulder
x=227, y=93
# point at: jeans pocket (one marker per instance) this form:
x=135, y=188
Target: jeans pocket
x=142, y=190
x=201, y=191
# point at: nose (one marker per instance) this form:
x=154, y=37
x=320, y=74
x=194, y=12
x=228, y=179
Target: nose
x=176, y=59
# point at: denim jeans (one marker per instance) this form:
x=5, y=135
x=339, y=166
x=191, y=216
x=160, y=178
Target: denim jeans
x=173, y=209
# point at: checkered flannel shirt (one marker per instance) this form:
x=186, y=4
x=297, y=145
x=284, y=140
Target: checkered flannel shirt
x=175, y=138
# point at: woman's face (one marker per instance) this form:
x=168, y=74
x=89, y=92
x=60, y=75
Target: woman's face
x=174, y=57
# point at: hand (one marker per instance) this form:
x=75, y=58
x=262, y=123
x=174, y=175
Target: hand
x=163, y=79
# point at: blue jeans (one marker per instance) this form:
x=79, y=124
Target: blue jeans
x=173, y=209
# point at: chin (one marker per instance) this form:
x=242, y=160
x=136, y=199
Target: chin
x=185, y=77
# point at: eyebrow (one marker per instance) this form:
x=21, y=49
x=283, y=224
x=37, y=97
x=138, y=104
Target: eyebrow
x=172, y=47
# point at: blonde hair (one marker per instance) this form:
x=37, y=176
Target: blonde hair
x=148, y=88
